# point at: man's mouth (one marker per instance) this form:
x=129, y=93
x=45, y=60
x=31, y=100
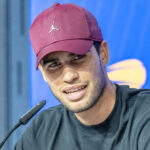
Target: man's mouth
x=75, y=92
x=69, y=91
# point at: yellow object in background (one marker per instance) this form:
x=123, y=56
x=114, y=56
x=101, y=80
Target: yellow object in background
x=131, y=72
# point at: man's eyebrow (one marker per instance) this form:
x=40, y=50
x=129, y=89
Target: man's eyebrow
x=72, y=54
x=49, y=60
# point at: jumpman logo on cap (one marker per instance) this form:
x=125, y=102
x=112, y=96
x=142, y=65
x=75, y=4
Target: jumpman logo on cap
x=53, y=27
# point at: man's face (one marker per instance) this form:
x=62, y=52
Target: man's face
x=77, y=81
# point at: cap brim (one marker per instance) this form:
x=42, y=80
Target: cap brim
x=77, y=46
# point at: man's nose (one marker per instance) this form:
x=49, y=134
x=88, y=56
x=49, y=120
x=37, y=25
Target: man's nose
x=70, y=75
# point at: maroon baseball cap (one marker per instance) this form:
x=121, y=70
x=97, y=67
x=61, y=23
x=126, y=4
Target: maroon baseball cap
x=64, y=27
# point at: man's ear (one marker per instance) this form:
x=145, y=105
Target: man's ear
x=42, y=71
x=104, y=53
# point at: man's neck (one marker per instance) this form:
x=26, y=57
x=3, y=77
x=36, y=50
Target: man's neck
x=101, y=110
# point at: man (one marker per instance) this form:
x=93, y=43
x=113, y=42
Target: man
x=95, y=114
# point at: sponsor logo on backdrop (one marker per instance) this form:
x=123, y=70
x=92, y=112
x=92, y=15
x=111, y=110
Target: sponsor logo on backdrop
x=131, y=72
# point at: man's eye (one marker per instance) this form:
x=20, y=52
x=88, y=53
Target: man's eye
x=78, y=57
x=53, y=65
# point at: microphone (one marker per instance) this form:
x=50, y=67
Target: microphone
x=24, y=119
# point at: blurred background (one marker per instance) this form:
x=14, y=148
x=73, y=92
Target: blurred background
x=125, y=26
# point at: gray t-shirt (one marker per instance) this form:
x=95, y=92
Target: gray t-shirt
x=126, y=128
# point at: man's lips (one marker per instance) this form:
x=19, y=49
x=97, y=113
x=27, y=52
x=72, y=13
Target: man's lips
x=75, y=88
x=75, y=92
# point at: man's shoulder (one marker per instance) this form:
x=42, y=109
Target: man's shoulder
x=49, y=116
x=139, y=95
x=51, y=112
x=55, y=109
x=43, y=126
x=135, y=107
x=133, y=94
x=136, y=102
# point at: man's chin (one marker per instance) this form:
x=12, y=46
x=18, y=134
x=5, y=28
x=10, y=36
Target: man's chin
x=79, y=109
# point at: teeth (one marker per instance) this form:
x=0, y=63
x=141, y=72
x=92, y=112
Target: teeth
x=74, y=90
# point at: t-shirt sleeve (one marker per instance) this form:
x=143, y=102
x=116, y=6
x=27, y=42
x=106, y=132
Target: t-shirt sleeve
x=28, y=137
x=144, y=138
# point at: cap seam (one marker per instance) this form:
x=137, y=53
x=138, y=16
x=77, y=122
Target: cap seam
x=82, y=12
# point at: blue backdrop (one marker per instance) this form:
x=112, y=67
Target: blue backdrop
x=125, y=26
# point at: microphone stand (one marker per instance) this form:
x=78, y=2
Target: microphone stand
x=24, y=119
x=12, y=130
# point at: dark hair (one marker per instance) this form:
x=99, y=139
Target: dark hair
x=97, y=46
